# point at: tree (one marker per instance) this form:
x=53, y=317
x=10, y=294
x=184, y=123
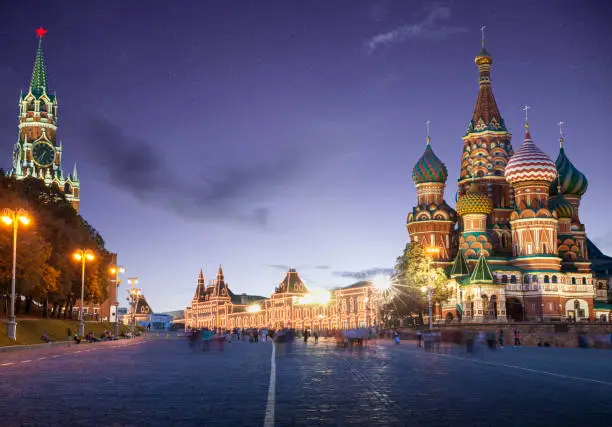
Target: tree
x=414, y=270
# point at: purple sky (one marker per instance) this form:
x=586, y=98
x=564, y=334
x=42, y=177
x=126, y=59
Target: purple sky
x=261, y=135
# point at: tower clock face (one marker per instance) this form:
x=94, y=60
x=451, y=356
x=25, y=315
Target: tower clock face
x=43, y=154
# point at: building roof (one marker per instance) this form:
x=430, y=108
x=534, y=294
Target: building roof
x=486, y=115
x=561, y=205
x=571, y=180
x=530, y=163
x=482, y=272
x=460, y=267
x=292, y=283
x=473, y=202
x=429, y=168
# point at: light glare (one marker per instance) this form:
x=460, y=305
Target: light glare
x=7, y=220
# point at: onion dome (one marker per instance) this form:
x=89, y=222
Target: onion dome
x=571, y=180
x=560, y=205
x=530, y=163
x=429, y=168
x=474, y=202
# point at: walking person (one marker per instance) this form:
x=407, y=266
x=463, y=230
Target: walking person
x=517, y=337
x=316, y=336
x=501, y=338
x=419, y=335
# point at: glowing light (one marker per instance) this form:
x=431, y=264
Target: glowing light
x=432, y=250
x=7, y=220
x=423, y=289
x=113, y=270
x=316, y=296
x=89, y=256
x=254, y=308
x=77, y=256
x=24, y=219
x=382, y=283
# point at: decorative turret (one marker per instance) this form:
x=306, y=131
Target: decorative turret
x=431, y=221
x=482, y=273
x=220, y=287
x=534, y=228
x=486, y=115
x=460, y=267
x=201, y=288
x=474, y=207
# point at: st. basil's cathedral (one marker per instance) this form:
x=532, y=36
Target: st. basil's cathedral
x=514, y=247
x=37, y=152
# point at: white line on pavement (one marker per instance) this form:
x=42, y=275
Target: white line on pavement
x=41, y=358
x=570, y=377
x=26, y=361
x=57, y=355
x=269, y=420
x=8, y=364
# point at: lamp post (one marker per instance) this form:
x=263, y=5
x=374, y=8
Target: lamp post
x=431, y=251
x=134, y=296
x=116, y=270
x=82, y=255
x=14, y=217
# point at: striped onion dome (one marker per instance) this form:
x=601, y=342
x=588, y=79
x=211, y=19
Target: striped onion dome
x=560, y=205
x=474, y=202
x=429, y=168
x=530, y=163
x=571, y=180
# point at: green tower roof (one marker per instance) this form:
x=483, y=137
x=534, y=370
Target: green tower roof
x=482, y=272
x=460, y=267
x=38, y=85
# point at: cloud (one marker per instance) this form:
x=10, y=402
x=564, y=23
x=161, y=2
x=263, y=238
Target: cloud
x=284, y=267
x=364, y=274
x=136, y=167
x=428, y=28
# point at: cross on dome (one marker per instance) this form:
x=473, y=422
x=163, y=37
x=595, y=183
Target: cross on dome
x=427, y=123
x=482, y=32
x=560, y=124
x=526, y=108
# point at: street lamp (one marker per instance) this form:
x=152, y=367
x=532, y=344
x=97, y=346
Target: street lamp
x=134, y=296
x=116, y=270
x=14, y=217
x=431, y=251
x=82, y=255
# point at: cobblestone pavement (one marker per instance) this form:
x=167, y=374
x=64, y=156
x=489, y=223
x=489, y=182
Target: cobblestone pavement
x=156, y=382
x=161, y=382
x=385, y=384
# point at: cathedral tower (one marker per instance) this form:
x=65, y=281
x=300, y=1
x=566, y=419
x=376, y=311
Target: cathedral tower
x=534, y=227
x=432, y=220
x=37, y=152
x=486, y=150
x=474, y=208
x=571, y=185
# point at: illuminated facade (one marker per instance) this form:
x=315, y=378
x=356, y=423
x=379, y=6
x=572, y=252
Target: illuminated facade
x=292, y=305
x=37, y=152
x=519, y=249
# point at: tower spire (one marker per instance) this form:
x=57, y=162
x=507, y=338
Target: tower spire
x=428, y=138
x=38, y=85
x=560, y=124
x=75, y=176
x=482, y=29
x=526, y=108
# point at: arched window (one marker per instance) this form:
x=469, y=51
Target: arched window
x=504, y=279
x=546, y=279
x=576, y=305
x=584, y=280
x=513, y=279
x=574, y=282
x=43, y=106
x=67, y=188
x=554, y=279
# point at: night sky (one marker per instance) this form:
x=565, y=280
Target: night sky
x=267, y=134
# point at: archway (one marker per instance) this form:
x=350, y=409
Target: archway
x=449, y=317
x=493, y=307
x=514, y=308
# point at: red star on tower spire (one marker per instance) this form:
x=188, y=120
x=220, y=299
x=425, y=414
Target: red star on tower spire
x=40, y=32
